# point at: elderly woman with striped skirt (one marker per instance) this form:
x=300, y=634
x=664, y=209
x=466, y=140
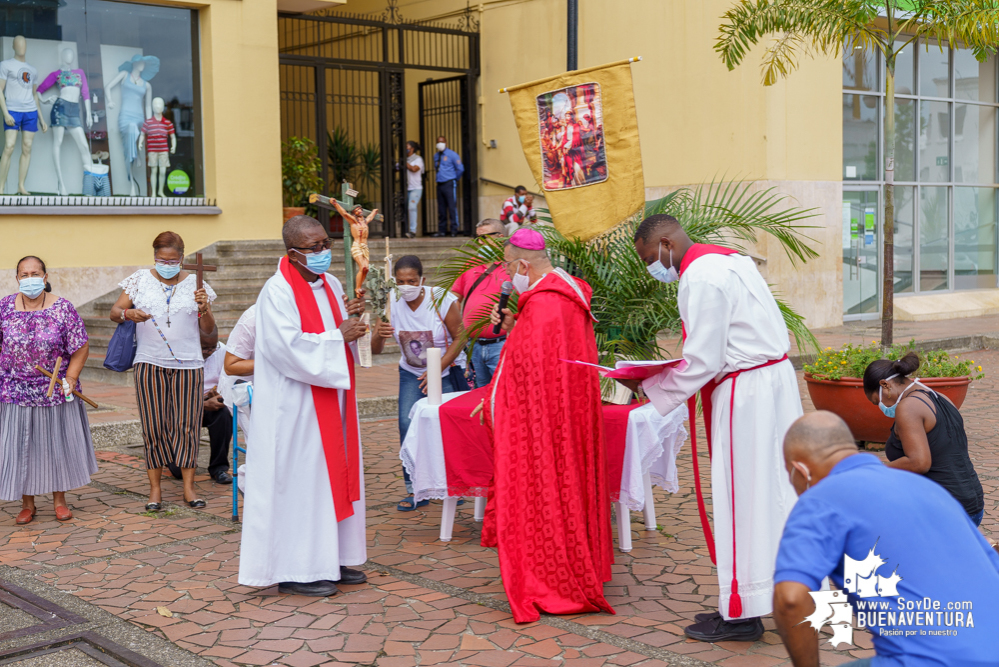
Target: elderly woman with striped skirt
x=45, y=444
x=171, y=314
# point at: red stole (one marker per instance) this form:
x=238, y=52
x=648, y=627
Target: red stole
x=342, y=462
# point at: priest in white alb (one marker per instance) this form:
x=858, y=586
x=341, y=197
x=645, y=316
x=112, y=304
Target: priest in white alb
x=303, y=516
x=735, y=353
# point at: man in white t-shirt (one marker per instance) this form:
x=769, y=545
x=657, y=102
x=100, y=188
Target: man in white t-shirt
x=217, y=418
x=19, y=105
x=414, y=183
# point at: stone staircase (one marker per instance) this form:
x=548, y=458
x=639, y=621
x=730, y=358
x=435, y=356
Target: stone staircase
x=244, y=267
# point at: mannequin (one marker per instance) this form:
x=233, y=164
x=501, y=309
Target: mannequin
x=136, y=106
x=65, y=116
x=96, y=182
x=19, y=103
x=157, y=129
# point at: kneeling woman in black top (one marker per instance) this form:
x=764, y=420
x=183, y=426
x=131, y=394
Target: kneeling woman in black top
x=928, y=434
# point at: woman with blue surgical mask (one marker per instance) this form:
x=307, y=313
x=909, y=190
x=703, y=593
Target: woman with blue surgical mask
x=928, y=436
x=45, y=444
x=171, y=314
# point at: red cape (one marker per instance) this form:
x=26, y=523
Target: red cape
x=549, y=509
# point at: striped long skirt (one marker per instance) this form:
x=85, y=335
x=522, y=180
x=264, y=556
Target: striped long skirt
x=171, y=404
x=44, y=449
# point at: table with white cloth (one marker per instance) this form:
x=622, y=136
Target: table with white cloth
x=645, y=455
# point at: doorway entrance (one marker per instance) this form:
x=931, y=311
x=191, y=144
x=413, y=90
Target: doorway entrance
x=344, y=85
x=861, y=254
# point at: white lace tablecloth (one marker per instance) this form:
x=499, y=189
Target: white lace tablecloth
x=651, y=446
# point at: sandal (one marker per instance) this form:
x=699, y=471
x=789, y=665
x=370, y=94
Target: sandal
x=153, y=507
x=410, y=506
x=196, y=504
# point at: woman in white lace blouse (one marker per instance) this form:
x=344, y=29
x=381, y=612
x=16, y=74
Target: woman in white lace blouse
x=170, y=315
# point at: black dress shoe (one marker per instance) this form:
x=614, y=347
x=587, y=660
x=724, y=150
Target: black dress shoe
x=316, y=589
x=438, y=235
x=175, y=471
x=707, y=616
x=719, y=630
x=349, y=577
x=222, y=477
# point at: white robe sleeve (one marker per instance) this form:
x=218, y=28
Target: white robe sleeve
x=707, y=320
x=315, y=359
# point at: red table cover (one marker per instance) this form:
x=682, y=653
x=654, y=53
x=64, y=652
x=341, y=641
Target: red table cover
x=468, y=451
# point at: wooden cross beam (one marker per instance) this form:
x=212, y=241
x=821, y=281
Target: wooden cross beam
x=53, y=376
x=199, y=268
x=347, y=194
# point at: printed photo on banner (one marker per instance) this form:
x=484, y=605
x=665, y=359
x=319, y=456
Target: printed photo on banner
x=414, y=346
x=571, y=125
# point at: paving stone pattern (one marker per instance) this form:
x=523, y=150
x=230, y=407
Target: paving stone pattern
x=426, y=603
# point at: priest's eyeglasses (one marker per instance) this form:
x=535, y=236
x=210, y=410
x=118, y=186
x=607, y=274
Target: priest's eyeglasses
x=319, y=247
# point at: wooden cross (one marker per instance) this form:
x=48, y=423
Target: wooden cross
x=199, y=268
x=53, y=376
x=347, y=194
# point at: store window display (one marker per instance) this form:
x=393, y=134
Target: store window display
x=20, y=105
x=65, y=115
x=96, y=66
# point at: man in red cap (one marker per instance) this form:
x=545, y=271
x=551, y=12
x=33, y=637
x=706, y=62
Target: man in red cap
x=549, y=511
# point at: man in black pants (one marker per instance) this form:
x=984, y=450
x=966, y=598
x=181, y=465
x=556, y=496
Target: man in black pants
x=217, y=418
x=449, y=169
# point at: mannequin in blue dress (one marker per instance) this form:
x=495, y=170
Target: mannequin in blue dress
x=136, y=106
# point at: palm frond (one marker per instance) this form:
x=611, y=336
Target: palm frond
x=821, y=25
x=973, y=22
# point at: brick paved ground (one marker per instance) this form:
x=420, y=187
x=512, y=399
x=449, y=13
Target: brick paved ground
x=427, y=603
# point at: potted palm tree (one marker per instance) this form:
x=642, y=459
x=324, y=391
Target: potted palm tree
x=633, y=309
x=835, y=383
x=300, y=167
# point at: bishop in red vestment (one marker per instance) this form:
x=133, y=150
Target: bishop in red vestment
x=549, y=511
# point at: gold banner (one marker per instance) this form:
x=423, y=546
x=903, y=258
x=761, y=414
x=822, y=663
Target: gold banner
x=579, y=132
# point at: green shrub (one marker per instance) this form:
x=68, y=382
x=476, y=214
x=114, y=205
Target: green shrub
x=852, y=360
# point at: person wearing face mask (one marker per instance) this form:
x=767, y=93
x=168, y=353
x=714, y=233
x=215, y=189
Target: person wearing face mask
x=414, y=184
x=928, y=436
x=171, y=314
x=735, y=353
x=303, y=519
x=422, y=317
x=449, y=169
x=907, y=540
x=549, y=452
x=518, y=210
x=45, y=444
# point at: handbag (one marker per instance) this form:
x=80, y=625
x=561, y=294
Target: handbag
x=121, y=349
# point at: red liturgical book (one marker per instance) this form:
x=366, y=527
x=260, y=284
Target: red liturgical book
x=631, y=370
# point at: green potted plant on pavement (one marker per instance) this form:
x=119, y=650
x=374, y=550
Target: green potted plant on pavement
x=835, y=383
x=300, y=167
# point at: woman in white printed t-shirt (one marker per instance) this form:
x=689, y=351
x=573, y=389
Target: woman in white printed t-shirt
x=419, y=325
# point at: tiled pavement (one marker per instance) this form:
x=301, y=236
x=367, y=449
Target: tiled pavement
x=427, y=602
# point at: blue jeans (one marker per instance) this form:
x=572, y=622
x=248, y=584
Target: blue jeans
x=414, y=205
x=485, y=358
x=410, y=393
x=447, y=202
x=977, y=519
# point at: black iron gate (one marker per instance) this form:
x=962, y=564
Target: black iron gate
x=343, y=85
x=444, y=107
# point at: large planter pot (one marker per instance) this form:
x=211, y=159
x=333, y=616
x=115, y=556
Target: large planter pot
x=867, y=423
x=291, y=211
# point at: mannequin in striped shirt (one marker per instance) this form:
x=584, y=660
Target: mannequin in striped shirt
x=160, y=141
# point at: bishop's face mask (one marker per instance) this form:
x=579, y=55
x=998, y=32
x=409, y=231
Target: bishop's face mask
x=661, y=273
x=521, y=282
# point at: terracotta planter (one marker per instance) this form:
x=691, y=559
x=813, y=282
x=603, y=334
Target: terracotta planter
x=291, y=211
x=846, y=398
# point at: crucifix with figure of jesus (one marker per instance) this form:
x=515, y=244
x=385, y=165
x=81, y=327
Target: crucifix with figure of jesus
x=355, y=234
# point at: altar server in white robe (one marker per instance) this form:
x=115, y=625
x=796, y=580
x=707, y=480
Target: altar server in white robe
x=303, y=520
x=735, y=353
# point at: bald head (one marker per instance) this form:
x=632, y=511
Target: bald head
x=296, y=228
x=490, y=226
x=817, y=435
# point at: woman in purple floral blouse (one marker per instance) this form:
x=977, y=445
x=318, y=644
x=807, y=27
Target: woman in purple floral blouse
x=45, y=444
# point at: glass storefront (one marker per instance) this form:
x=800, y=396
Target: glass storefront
x=118, y=87
x=945, y=171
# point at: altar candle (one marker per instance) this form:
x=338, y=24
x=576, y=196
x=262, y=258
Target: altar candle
x=434, y=376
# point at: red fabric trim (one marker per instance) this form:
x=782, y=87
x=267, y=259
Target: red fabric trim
x=342, y=461
x=699, y=250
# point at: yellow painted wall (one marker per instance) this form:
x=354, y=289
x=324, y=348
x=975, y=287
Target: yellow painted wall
x=242, y=156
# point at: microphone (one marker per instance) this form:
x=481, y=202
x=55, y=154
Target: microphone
x=504, y=297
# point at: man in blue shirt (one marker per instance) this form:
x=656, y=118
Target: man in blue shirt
x=914, y=569
x=449, y=169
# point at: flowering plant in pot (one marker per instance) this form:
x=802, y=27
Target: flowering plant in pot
x=835, y=383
